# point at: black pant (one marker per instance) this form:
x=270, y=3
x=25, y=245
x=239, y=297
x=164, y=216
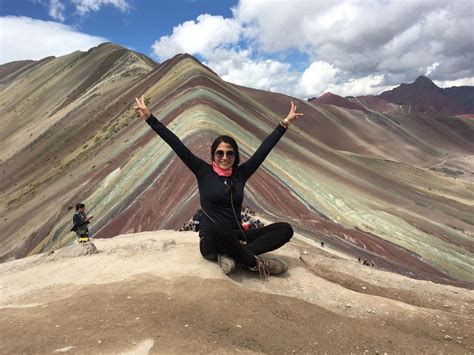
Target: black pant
x=221, y=240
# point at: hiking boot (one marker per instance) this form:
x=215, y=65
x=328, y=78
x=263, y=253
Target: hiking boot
x=226, y=263
x=267, y=266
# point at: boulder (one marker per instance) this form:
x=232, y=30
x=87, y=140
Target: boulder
x=75, y=250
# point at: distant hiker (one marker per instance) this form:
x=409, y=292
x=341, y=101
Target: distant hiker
x=80, y=221
x=359, y=259
x=197, y=220
x=190, y=225
x=322, y=244
x=221, y=185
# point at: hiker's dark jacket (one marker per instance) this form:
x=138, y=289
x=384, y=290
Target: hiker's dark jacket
x=80, y=224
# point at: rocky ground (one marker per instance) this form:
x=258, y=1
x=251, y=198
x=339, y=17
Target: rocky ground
x=153, y=293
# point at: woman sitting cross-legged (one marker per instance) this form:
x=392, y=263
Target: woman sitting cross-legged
x=221, y=184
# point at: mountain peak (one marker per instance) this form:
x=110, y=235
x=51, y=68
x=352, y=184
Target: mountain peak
x=328, y=94
x=423, y=96
x=424, y=82
x=328, y=98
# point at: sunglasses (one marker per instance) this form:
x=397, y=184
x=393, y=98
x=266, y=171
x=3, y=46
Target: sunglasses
x=219, y=154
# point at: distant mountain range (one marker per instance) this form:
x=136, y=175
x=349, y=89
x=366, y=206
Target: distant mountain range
x=391, y=182
x=422, y=96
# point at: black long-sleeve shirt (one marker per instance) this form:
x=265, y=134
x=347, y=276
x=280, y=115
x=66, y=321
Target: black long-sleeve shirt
x=214, y=198
x=80, y=223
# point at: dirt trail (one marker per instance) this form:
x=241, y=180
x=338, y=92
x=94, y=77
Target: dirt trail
x=153, y=293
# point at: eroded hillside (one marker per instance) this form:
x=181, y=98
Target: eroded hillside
x=391, y=187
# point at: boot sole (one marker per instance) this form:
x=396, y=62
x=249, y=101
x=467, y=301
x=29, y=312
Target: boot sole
x=226, y=264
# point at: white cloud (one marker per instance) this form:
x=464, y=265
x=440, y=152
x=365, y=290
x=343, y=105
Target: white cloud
x=365, y=37
x=369, y=85
x=85, y=6
x=315, y=79
x=26, y=38
x=402, y=42
x=200, y=37
x=431, y=68
x=56, y=10
x=321, y=77
x=458, y=82
x=237, y=67
x=303, y=23
x=416, y=58
x=267, y=75
x=277, y=26
x=222, y=60
x=354, y=47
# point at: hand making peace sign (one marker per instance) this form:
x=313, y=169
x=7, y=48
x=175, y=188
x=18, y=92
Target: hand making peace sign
x=292, y=115
x=141, y=108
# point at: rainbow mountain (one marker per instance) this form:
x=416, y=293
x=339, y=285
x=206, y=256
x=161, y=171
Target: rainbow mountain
x=391, y=186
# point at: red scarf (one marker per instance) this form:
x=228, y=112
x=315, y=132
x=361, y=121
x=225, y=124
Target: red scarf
x=221, y=172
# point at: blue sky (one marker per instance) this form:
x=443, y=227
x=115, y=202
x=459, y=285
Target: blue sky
x=136, y=26
x=300, y=47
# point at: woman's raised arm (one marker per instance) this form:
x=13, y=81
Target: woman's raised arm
x=189, y=159
x=268, y=143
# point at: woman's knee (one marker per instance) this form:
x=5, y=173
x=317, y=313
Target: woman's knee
x=211, y=257
x=286, y=230
x=224, y=239
x=208, y=248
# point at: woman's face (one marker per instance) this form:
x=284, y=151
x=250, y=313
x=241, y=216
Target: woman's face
x=224, y=156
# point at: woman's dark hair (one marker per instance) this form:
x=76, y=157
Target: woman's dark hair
x=228, y=140
x=80, y=205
